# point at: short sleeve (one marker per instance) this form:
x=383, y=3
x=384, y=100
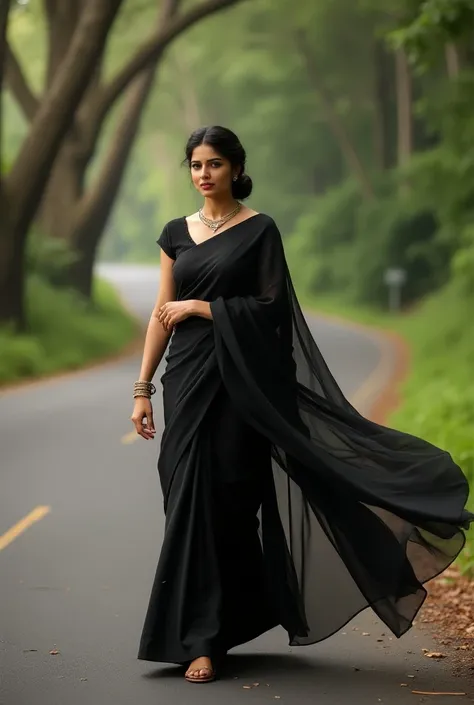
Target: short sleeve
x=164, y=241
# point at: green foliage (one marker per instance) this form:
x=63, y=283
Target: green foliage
x=321, y=246
x=64, y=332
x=395, y=233
x=433, y=24
x=344, y=244
x=463, y=263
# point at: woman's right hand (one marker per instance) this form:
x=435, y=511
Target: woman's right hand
x=142, y=418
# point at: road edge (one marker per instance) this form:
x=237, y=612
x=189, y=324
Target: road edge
x=388, y=397
x=133, y=347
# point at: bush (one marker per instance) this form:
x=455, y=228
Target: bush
x=345, y=244
x=64, y=332
x=395, y=233
x=320, y=250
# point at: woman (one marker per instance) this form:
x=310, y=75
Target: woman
x=284, y=506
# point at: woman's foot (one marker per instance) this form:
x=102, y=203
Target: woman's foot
x=200, y=670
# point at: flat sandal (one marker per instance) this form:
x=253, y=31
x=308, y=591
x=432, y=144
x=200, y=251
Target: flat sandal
x=202, y=679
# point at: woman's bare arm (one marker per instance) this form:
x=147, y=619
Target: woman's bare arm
x=157, y=337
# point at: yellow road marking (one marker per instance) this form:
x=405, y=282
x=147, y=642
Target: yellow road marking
x=129, y=438
x=24, y=524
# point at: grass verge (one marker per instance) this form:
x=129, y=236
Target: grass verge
x=65, y=333
x=438, y=395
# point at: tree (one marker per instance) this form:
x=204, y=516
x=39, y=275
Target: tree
x=22, y=188
x=73, y=208
x=341, y=135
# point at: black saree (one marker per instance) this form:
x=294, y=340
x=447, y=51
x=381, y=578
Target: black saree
x=350, y=514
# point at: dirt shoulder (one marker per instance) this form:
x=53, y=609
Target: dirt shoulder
x=448, y=612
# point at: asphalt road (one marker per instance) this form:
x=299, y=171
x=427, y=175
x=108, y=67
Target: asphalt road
x=76, y=577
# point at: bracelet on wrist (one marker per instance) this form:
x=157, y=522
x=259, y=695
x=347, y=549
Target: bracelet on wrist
x=142, y=388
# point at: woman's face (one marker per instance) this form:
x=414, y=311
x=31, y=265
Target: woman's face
x=211, y=173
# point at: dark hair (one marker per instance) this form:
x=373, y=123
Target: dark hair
x=228, y=145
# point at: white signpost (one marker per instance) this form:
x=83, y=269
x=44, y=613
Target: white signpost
x=395, y=278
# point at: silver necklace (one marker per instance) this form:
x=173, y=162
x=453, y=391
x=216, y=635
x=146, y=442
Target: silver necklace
x=216, y=224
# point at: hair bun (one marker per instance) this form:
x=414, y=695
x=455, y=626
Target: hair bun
x=242, y=188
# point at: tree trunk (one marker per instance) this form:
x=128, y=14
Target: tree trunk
x=404, y=107
x=80, y=274
x=63, y=192
x=71, y=210
x=189, y=99
x=335, y=123
x=11, y=270
x=95, y=209
x=11, y=260
x=383, y=107
x=24, y=186
x=453, y=63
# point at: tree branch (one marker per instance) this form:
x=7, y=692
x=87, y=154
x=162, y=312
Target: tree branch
x=169, y=8
x=28, y=177
x=63, y=18
x=404, y=106
x=18, y=85
x=152, y=48
x=96, y=205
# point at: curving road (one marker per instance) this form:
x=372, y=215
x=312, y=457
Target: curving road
x=80, y=530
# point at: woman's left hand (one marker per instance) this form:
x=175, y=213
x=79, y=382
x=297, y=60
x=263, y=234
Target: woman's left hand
x=173, y=312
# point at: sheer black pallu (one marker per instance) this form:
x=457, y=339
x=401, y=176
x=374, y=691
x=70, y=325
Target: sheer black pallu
x=353, y=514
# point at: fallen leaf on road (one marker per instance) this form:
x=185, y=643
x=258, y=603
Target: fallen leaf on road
x=424, y=692
x=434, y=654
